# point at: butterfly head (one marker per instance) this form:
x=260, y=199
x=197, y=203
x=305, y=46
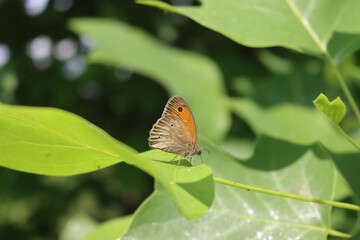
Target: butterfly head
x=198, y=150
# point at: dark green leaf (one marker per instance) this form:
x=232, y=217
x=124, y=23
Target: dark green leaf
x=349, y=165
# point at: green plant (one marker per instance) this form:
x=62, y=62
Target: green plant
x=297, y=150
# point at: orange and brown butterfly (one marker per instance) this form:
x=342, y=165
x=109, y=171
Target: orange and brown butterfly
x=175, y=131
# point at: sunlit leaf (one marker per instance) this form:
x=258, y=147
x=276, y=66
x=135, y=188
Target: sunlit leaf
x=54, y=142
x=111, y=229
x=240, y=214
x=193, y=187
x=334, y=110
x=325, y=28
x=192, y=76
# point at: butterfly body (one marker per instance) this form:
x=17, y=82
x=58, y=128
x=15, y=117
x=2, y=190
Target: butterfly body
x=175, y=131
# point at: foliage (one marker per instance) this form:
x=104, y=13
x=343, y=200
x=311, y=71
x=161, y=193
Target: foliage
x=289, y=146
x=334, y=110
x=41, y=141
x=294, y=171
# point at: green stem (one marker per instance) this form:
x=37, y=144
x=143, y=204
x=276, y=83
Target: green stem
x=345, y=89
x=346, y=136
x=287, y=195
x=339, y=234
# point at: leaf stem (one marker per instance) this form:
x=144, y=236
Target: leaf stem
x=338, y=234
x=345, y=88
x=287, y=195
x=346, y=136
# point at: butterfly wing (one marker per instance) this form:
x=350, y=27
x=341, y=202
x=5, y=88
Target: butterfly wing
x=178, y=107
x=171, y=134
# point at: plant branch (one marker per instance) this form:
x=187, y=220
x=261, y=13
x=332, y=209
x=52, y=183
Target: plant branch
x=345, y=88
x=287, y=195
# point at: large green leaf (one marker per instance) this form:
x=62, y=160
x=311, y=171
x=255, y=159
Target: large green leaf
x=241, y=214
x=54, y=142
x=194, y=77
x=324, y=28
x=110, y=230
x=292, y=122
x=191, y=187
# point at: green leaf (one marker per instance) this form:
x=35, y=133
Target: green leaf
x=302, y=25
x=334, y=110
x=110, y=230
x=239, y=214
x=343, y=189
x=238, y=148
x=294, y=123
x=50, y=141
x=192, y=76
x=193, y=187
x=347, y=23
x=54, y=142
x=349, y=165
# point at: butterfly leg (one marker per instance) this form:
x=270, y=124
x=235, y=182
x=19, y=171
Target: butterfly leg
x=173, y=158
x=179, y=161
x=192, y=161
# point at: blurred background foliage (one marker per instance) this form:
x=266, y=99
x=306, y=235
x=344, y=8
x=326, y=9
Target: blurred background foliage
x=43, y=63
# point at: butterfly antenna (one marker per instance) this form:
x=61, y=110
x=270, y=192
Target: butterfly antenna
x=206, y=150
x=218, y=150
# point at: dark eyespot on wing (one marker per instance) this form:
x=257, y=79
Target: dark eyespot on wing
x=177, y=106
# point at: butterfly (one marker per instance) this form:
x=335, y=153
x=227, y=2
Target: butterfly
x=175, y=131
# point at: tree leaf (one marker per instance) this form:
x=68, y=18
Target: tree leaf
x=191, y=187
x=343, y=189
x=240, y=214
x=54, y=142
x=50, y=141
x=349, y=165
x=303, y=25
x=294, y=123
x=334, y=110
x=111, y=229
x=194, y=77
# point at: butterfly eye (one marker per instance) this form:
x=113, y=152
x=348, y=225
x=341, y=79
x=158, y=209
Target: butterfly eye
x=180, y=109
